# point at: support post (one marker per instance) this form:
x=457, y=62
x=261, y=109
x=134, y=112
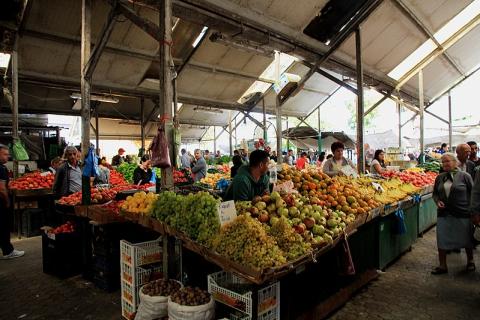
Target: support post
x=288, y=140
x=236, y=126
x=15, y=103
x=265, y=130
x=360, y=103
x=142, y=122
x=214, y=141
x=399, y=110
x=97, y=132
x=450, y=121
x=230, y=132
x=278, y=112
x=319, y=140
x=85, y=91
x=165, y=96
x=421, y=109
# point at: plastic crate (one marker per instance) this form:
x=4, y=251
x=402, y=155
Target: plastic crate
x=32, y=221
x=146, y=274
x=239, y=316
x=138, y=254
x=268, y=297
x=128, y=294
x=128, y=311
x=127, y=273
x=62, y=254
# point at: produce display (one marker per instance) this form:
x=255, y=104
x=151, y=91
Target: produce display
x=433, y=166
x=418, y=179
x=189, y=296
x=113, y=206
x=67, y=227
x=126, y=169
x=194, y=214
x=182, y=176
x=116, y=178
x=140, y=203
x=33, y=180
x=213, y=178
x=97, y=196
x=161, y=287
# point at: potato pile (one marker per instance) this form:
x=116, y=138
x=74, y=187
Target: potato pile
x=189, y=296
x=161, y=287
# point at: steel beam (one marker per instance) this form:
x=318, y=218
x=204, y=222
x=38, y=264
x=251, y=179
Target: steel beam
x=399, y=111
x=258, y=123
x=15, y=136
x=146, y=25
x=439, y=50
x=337, y=81
x=98, y=49
x=265, y=129
x=163, y=35
x=413, y=117
x=142, y=121
x=97, y=130
x=319, y=138
x=230, y=142
x=379, y=102
x=360, y=102
x=450, y=121
x=423, y=28
x=421, y=109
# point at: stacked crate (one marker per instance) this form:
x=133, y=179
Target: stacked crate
x=139, y=264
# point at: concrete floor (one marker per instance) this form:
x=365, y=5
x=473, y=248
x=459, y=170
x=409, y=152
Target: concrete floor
x=405, y=291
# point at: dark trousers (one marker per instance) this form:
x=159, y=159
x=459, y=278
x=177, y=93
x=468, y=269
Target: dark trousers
x=5, y=243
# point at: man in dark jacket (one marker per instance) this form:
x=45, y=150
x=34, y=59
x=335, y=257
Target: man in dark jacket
x=119, y=158
x=7, y=249
x=68, y=178
x=464, y=164
x=199, y=166
x=251, y=180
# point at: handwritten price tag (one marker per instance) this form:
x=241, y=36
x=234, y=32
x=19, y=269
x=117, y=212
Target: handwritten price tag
x=377, y=187
x=227, y=212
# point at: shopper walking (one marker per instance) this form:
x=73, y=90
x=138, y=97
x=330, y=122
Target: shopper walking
x=452, y=194
x=334, y=165
x=185, y=159
x=7, y=249
x=199, y=166
x=68, y=178
x=378, y=164
x=289, y=157
x=143, y=173
x=464, y=164
x=302, y=161
x=473, y=153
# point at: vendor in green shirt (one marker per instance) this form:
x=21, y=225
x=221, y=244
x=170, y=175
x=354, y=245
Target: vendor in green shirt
x=252, y=179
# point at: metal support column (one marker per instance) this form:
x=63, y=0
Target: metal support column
x=236, y=126
x=85, y=91
x=142, y=123
x=450, y=123
x=214, y=141
x=288, y=140
x=399, y=110
x=319, y=139
x=421, y=109
x=265, y=130
x=360, y=103
x=165, y=83
x=278, y=112
x=15, y=103
x=97, y=132
x=230, y=132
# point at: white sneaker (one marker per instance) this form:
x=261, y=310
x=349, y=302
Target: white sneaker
x=14, y=254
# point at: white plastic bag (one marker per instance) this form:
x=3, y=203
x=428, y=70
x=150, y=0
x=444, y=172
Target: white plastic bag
x=152, y=308
x=202, y=312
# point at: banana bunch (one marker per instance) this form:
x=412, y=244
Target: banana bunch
x=409, y=188
x=391, y=184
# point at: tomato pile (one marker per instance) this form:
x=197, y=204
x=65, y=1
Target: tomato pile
x=97, y=196
x=33, y=180
x=179, y=176
x=116, y=178
x=418, y=179
x=113, y=206
x=64, y=228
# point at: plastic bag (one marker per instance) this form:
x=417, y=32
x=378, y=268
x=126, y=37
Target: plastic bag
x=91, y=164
x=400, y=227
x=19, y=152
x=202, y=312
x=160, y=154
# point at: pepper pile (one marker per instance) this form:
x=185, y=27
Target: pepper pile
x=33, y=180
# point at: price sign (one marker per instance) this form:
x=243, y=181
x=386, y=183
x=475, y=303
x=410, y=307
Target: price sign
x=227, y=212
x=377, y=186
x=349, y=171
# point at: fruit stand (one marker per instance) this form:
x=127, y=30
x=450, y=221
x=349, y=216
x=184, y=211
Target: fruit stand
x=309, y=223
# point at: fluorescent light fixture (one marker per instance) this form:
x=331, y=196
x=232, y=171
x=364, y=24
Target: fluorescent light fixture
x=446, y=32
x=94, y=97
x=200, y=36
x=4, y=60
x=207, y=110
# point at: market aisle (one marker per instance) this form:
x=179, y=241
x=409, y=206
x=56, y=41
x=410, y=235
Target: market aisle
x=27, y=293
x=407, y=290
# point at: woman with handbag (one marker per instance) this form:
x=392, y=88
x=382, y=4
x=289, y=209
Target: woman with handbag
x=452, y=194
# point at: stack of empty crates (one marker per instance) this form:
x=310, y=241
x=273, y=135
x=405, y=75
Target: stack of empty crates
x=139, y=264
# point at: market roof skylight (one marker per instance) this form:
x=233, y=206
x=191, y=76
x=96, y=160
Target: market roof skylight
x=442, y=35
x=286, y=61
x=4, y=60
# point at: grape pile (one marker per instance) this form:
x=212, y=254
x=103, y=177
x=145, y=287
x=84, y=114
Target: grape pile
x=291, y=243
x=246, y=241
x=189, y=296
x=195, y=214
x=161, y=287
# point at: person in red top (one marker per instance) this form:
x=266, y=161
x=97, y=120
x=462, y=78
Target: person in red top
x=302, y=161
